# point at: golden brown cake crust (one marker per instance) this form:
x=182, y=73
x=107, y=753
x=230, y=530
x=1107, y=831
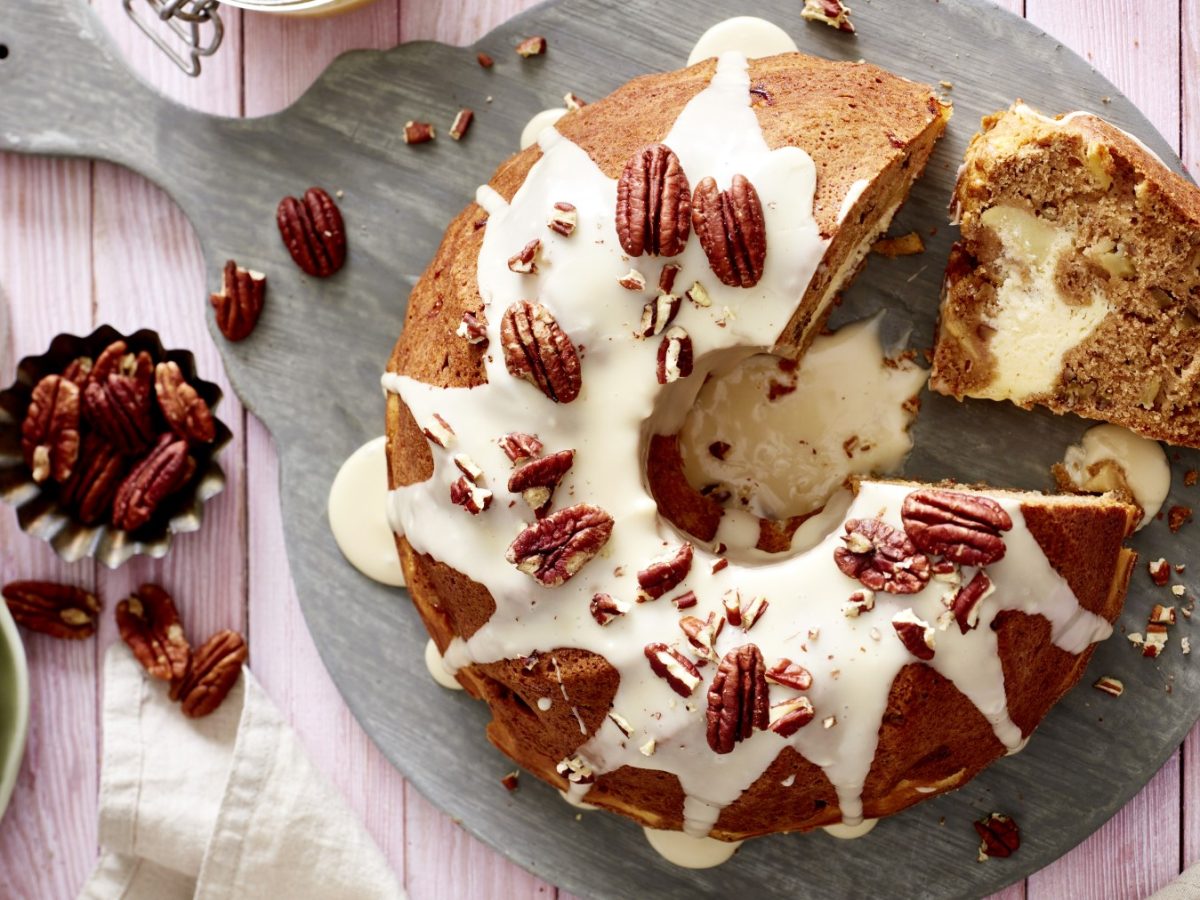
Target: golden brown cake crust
x=1136, y=245
x=891, y=125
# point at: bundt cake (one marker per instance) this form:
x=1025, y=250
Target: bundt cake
x=1076, y=284
x=571, y=313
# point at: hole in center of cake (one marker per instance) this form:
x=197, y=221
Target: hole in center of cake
x=768, y=443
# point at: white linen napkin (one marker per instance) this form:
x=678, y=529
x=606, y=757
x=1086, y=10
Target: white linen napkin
x=1185, y=887
x=226, y=806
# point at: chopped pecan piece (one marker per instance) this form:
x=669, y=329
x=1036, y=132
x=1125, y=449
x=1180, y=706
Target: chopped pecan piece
x=790, y=674
x=685, y=600
x=1160, y=571
x=731, y=229
x=674, y=355
x=998, y=835
x=657, y=314
x=753, y=612
x=418, y=132
x=962, y=527
x=50, y=429
x=665, y=573
x=563, y=219
x=575, y=770
x=473, y=328
x=511, y=781
x=573, y=102
x=524, y=261
x=633, y=280
x=183, y=408
x=101, y=469
x=653, y=203
x=917, y=636
x=313, y=232
x=881, y=557
x=604, y=608
x=1178, y=516
x=833, y=13
x=791, y=715
x=162, y=472
x=538, y=350
x=214, y=669
x=675, y=668
x=519, y=446
x=702, y=634
x=466, y=493
x=240, y=301
x=1109, y=685
x=59, y=610
x=738, y=699
x=965, y=605
x=553, y=549
x=732, y=601
x=462, y=122
x=149, y=624
x=698, y=295
x=468, y=467
x=531, y=46
x=439, y=432
x=536, y=480
x=485, y=60
x=861, y=601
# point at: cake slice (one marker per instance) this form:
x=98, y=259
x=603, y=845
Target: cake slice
x=1076, y=284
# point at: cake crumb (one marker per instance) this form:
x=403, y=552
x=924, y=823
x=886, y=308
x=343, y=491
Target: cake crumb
x=904, y=245
x=1178, y=516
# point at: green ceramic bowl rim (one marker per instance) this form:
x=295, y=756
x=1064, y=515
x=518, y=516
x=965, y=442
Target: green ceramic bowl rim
x=16, y=741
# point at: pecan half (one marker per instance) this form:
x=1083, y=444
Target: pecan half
x=675, y=668
x=214, y=669
x=313, y=232
x=654, y=203
x=50, y=430
x=553, y=549
x=538, y=350
x=536, y=480
x=59, y=610
x=575, y=770
x=965, y=604
x=999, y=836
x=790, y=674
x=737, y=698
x=115, y=359
x=101, y=469
x=149, y=624
x=791, y=715
x=121, y=409
x=702, y=634
x=518, y=446
x=162, y=472
x=731, y=229
x=665, y=573
x=240, y=301
x=78, y=370
x=604, y=608
x=674, y=355
x=962, y=527
x=183, y=408
x=917, y=635
x=881, y=557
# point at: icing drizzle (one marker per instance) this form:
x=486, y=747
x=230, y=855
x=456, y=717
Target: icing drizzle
x=716, y=134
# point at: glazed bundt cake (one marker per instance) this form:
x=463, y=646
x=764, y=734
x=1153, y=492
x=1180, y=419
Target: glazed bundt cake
x=1076, y=284
x=571, y=313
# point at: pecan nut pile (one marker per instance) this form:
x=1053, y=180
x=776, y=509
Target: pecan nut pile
x=654, y=203
x=881, y=557
x=737, y=698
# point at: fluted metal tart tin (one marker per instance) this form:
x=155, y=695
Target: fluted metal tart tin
x=311, y=372
x=39, y=509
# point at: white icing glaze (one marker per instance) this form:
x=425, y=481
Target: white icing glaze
x=1110, y=457
x=438, y=670
x=842, y=412
x=539, y=123
x=753, y=36
x=856, y=190
x=358, y=517
x=850, y=832
x=620, y=403
x=690, y=852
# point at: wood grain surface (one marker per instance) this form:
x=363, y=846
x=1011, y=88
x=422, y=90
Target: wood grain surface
x=88, y=243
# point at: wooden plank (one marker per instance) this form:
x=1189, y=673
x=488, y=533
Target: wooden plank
x=1134, y=45
x=48, y=835
x=1190, y=79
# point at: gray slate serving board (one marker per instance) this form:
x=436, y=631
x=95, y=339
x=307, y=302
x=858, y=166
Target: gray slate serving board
x=311, y=373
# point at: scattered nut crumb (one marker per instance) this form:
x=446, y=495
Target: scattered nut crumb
x=1109, y=685
x=948, y=85
x=510, y=780
x=832, y=12
x=532, y=46
x=485, y=60
x=1160, y=571
x=1190, y=477
x=1185, y=644
x=1178, y=516
x=462, y=122
x=1178, y=590
x=904, y=245
x=418, y=132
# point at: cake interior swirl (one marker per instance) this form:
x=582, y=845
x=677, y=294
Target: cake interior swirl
x=569, y=318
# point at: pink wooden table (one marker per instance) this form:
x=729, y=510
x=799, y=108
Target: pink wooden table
x=87, y=243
